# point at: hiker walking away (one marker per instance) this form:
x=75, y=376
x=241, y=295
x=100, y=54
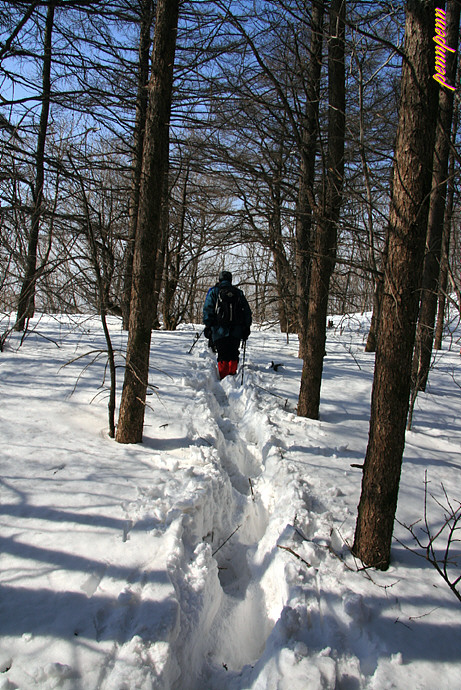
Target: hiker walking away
x=227, y=319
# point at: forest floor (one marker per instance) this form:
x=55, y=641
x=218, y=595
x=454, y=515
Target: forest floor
x=215, y=555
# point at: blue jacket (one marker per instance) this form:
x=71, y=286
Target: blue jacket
x=240, y=331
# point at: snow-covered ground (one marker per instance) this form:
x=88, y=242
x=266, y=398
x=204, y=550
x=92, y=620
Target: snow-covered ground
x=214, y=555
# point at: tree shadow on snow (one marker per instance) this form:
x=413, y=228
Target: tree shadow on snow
x=70, y=615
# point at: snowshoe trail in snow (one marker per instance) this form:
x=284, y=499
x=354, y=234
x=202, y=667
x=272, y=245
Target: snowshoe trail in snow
x=227, y=599
x=242, y=605
x=225, y=626
x=267, y=519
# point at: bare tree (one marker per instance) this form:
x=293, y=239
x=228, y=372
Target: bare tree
x=21, y=23
x=431, y=269
x=407, y=232
x=102, y=260
x=324, y=245
x=155, y=158
x=306, y=195
x=439, y=546
x=26, y=305
x=147, y=16
x=446, y=236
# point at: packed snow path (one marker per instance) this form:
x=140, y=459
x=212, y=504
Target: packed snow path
x=239, y=444
x=214, y=555
x=268, y=509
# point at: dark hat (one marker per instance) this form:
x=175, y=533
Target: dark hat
x=225, y=275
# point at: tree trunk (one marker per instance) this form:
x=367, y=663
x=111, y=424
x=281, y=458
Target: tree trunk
x=377, y=276
x=161, y=254
x=377, y=297
x=445, y=249
x=304, y=207
x=147, y=15
x=172, y=264
x=285, y=292
x=26, y=303
x=431, y=270
x=370, y=345
x=103, y=291
x=324, y=254
x=284, y=275
x=155, y=165
x=399, y=308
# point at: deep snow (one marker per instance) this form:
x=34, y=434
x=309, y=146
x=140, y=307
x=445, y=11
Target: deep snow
x=214, y=555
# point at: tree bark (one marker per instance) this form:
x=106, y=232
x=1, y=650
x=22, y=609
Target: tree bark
x=26, y=303
x=162, y=248
x=304, y=210
x=172, y=263
x=431, y=270
x=284, y=274
x=399, y=308
x=147, y=15
x=155, y=165
x=445, y=249
x=324, y=249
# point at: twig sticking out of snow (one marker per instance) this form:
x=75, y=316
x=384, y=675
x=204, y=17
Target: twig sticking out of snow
x=226, y=540
x=450, y=529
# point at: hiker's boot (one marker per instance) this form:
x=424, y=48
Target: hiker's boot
x=223, y=369
x=233, y=365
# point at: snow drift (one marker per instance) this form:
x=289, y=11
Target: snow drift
x=214, y=555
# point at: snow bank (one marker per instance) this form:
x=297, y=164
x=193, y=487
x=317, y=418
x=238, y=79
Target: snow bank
x=215, y=554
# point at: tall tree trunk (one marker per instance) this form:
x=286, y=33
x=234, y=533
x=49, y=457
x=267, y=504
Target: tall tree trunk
x=26, y=303
x=284, y=274
x=324, y=249
x=147, y=16
x=155, y=165
x=285, y=285
x=431, y=270
x=399, y=308
x=304, y=209
x=377, y=295
x=172, y=264
x=379, y=287
x=162, y=250
x=445, y=250
x=377, y=276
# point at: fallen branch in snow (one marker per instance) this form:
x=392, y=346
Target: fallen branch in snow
x=349, y=351
x=450, y=529
x=326, y=546
x=276, y=395
x=226, y=540
x=423, y=615
x=287, y=548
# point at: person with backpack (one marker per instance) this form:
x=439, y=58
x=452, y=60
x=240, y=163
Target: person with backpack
x=227, y=318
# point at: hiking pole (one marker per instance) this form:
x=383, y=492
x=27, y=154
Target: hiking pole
x=197, y=338
x=243, y=359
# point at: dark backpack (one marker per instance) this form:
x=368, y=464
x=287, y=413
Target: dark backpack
x=229, y=308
